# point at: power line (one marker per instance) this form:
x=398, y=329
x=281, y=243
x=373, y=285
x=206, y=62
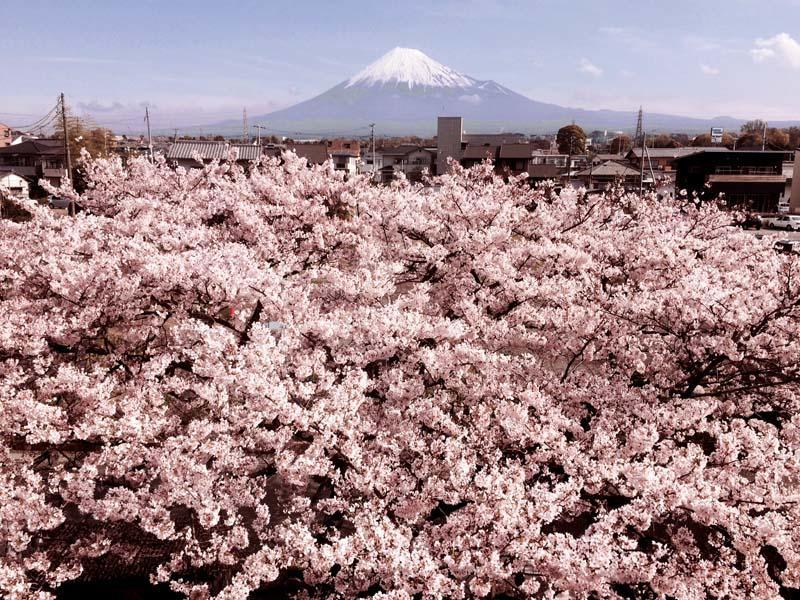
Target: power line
x=42, y=122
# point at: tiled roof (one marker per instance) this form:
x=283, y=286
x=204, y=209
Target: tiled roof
x=341, y=147
x=315, y=154
x=495, y=139
x=515, y=151
x=401, y=150
x=609, y=169
x=605, y=157
x=212, y=150
x=38, y=147
x=676, y=152
x=472, y=152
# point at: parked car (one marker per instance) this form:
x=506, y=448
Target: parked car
x=788, y=222
x=787, y=246
x=56, y=202
x=751, y=221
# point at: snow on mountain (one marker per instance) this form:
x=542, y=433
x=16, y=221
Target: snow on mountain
x=405, y=90
x=412, y=67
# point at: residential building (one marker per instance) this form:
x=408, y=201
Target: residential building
x=18, y=138
x=34, y=160
x=794, y=200
x=474, y=154
x=541, y=172
x=752, y=180
x=599, y=159
x=610, y=173
x=366, y=165
x=14, y=185
x=343, y=160
x=315, y=153
x=350, y=147
x=663, y=159
x=784, y=201
x=412, y=160
x=6, y=135
x=577, y=161
x=194, y=154
x=346, y=155
x=495, y=139
x=514, y=158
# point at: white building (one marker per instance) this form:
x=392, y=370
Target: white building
x=13, y=184
x=785, y=198
x=345, y=161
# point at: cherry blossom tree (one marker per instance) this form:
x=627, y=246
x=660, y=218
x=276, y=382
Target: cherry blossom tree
x=234, y=379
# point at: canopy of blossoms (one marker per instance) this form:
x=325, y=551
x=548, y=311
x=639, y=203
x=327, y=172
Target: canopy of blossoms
x=282, y=379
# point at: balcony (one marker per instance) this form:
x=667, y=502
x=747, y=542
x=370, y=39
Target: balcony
x=51, y=172
x=747, y=178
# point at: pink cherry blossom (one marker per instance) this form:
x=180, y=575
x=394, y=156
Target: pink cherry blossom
x=274, y=376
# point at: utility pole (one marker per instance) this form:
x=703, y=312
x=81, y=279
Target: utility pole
x=149, y=137
x=650, y=166
x=259, y=128
x=71, y=207
x=641, y=164
x=175, y=139
x=569, y=155
x=764, y=138
x=244, y=126
x=372, y=139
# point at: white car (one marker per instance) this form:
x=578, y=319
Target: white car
x=788, y=222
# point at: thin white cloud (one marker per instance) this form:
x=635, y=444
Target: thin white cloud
x=709, y=70
x=80, y=60
x=589, y=68
x=471, y=98
x=782, y=47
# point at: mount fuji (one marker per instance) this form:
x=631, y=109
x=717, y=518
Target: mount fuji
x=405, y=90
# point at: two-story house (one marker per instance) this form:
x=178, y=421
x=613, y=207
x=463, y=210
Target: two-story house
x=34, y=160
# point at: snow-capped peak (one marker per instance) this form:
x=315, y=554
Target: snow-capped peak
x=412, y=67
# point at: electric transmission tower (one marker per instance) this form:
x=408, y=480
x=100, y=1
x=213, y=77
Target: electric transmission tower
x=638, y=137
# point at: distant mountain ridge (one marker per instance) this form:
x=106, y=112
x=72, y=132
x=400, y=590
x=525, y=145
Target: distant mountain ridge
x=404, y=91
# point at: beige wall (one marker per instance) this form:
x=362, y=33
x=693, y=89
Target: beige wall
x=449, y=132
x=794, y=200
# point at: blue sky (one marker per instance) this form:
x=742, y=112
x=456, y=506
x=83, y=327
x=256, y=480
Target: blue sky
x=197, y=61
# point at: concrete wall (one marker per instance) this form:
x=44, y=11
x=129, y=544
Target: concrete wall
x=794, y=200
x=449, y=131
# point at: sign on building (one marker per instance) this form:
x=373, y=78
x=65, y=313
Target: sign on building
x=716, y=135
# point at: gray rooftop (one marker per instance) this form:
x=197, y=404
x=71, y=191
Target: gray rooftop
x=676, y=152
x=185, y=150
x=609, y=169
